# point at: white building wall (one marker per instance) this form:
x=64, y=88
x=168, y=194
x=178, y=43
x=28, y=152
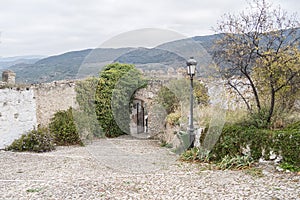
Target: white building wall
x=17, y=114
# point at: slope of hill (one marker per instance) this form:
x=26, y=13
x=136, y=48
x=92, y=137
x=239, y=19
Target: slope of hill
x=65, y=66
x=6, y=62
x=89, y=62
x=200, y=48
x=152, y=59
x=58, y=67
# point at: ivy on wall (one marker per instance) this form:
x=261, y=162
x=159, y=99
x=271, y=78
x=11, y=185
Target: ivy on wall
x=85, y=117
x=114, y=93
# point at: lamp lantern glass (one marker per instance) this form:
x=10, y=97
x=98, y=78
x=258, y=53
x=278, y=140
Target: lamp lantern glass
x=191, y=70
x=191, y=66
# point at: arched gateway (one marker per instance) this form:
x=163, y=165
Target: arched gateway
x=139, y=117
x=144, y=114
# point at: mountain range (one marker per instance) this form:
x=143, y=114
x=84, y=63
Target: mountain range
x=10, y=61
x=89, y=62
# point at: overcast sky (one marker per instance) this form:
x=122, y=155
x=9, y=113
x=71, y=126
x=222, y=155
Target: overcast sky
x=49, y=27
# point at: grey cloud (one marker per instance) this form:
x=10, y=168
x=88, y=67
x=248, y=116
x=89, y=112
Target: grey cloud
x=55, y=26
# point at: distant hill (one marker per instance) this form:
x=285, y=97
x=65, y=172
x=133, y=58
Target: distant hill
x=152, y=59
x=6, y=62
x=200, y=48
x=70, y=65
x=15, y=58
x=88, y=62
x=58, y=67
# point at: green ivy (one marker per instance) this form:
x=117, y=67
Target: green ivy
x=85, y=117
x=115, y=91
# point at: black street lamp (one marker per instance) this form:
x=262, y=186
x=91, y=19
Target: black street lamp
x=191, y=70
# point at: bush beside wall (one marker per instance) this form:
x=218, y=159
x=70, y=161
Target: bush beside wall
x=63, y=128
x=236, y=138
x=37, y=140
x=62, y=131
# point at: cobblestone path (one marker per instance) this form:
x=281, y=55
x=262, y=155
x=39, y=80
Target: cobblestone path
x=128, y=168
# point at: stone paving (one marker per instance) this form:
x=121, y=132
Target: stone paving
x=128, y=168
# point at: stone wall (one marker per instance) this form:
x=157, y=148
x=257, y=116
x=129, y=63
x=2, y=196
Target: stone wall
x=51, y=97
x=21, y=109
x=155, y=113
x=9, y=77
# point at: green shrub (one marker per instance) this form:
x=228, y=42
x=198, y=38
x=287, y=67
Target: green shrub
x=261, y=142
x=228, y=151
x=173, y=118
x=36, y=140
x=167, y=99
x=63, y=128
x=235, y=138
x=293, y=127
x=181, y=89
x=229, y=143
x=258, y=119
x=88, y=126
x=286, y=143
x=290, y=167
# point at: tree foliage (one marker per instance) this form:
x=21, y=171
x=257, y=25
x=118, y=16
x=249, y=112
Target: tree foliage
x=178, y=91
x=278, y=79
x=168, y=99
x=258, y=53
x=201, y=94
x=114, y=94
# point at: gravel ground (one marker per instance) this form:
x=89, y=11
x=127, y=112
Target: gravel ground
x=132, y=169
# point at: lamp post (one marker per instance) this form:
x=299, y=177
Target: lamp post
x=191, y=70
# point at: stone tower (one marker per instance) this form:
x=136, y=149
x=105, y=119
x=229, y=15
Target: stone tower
x=9, y=77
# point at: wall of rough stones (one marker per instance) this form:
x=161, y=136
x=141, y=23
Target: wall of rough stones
x=21, y=109
x=51, y=97
x=155, y=112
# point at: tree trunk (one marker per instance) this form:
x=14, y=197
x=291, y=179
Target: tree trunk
x=272, y=105
x=254, y=91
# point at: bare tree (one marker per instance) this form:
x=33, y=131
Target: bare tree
x=258, y=49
